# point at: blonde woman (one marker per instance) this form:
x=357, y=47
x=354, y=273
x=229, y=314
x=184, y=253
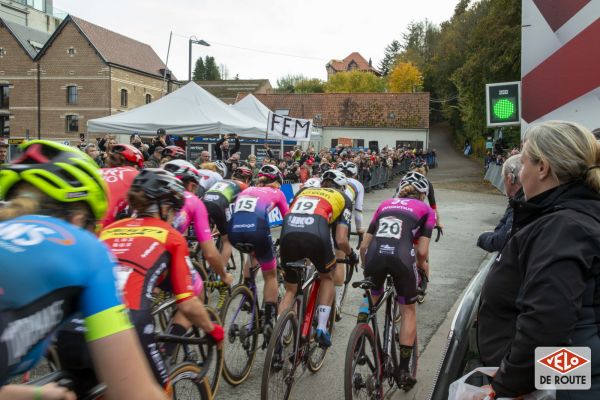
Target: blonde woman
x=543, y=288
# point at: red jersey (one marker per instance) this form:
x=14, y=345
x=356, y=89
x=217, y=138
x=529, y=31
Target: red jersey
x=118, y=180
x=149, y=251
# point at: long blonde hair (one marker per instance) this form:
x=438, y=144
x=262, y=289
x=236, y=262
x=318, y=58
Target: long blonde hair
x=410, y=192
x=570, y=149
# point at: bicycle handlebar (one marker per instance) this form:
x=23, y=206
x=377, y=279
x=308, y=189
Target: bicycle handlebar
x=440, y=232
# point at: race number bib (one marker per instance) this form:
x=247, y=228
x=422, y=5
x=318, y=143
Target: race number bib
x=247, y=204
x=305, y=205
x=389, y=228
x=218, y=187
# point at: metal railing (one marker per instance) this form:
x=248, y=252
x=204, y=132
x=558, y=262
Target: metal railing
x=380, y=176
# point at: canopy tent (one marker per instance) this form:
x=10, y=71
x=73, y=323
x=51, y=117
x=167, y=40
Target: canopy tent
x=189, y=111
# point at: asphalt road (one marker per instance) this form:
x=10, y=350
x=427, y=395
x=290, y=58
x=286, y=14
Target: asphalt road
x=453, y=262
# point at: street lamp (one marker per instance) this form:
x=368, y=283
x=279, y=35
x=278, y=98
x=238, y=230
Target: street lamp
x=194, y=40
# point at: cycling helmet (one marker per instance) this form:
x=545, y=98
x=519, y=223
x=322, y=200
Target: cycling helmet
x=183, y=170
x=242, y=172
x=63, y=173
x=417, y=163
x=221, y=168
x=416, y=180
x=175, y=152
x=161, y=186
x=324, y=167
x=271, y=172
x=312, y=183
x=130, y=153
x=348, y=167
x=336, y=176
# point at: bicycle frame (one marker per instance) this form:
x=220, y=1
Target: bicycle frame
x=388, y=298
x=306, y=306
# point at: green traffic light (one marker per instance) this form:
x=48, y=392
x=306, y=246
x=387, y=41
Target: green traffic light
x=504, y=109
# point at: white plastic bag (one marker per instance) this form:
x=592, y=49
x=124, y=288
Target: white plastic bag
x=460, y=390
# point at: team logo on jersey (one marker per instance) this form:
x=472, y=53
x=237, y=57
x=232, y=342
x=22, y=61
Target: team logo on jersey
x=300, y=222
x=159, y=234
x=25, y=233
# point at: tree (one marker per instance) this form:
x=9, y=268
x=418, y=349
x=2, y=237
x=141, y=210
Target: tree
x=207, y=69
x=354, y=82
x=389, y=58
x=224, y=71
x=405, y=77
x=313, y=85
x=199, y=70
x=287, y=83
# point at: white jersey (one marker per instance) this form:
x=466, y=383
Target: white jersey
x=209, y=178
x=356, y=191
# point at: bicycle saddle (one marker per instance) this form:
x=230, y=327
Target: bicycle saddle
x=364, y=284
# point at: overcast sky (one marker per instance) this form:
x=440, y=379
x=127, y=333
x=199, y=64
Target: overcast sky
x=262, y=38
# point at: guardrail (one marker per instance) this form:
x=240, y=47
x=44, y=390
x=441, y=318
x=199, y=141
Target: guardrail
x=460, y=342
x=380, y=176
x=494, y=176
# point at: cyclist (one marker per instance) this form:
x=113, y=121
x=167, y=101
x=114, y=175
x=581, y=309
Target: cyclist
x=218, y=199
x=315, y=215
x=356, y=192
x=419, y=166
x=388, y=248
x=124, y=162
x=76, y=275
x=171, y=153
x=250, y=224
x=153, y=254
x=209, y=175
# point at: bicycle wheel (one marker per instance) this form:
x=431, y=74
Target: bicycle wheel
x=240, y=319
x=317, y=354
x=362, y=367
x=208, y=357
x=187, y=382
x=278, y=370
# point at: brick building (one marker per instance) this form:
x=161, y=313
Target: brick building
x=353, y=62
x=370, y=120
x=82, y=71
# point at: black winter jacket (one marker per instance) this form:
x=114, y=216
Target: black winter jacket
x=544, y=289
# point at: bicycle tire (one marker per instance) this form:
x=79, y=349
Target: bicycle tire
x=286, y=324
x=354, y=383
x=315, y=363
x=189, y=371
x=241, y=299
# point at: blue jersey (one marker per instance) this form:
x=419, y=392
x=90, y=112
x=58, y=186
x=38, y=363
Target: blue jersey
x=49, y=271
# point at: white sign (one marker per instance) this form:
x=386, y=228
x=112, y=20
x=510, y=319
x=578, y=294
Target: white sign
x=290, y=128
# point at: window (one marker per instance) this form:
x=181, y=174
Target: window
x=123, y=98
x=72, y=123
x=71, y=94
x=360, y=142
x=282, y=111
x=4, y=96
x=4, y=126
x=334, y=142
x=2, y=52
x=148, y=99
x=37, y=4
x=71, y=51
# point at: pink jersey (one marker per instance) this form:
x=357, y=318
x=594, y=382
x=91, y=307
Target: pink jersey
x=261, y=201
x=193, y=211
x=411, y=219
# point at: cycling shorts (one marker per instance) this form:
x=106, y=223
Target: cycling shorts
x=383, y=258
x=306, y=236
x=258, y=234
x=218, y=212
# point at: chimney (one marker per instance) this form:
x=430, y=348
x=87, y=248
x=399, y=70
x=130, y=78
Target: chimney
x=370, y=62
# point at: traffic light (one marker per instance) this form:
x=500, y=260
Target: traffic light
x=503, y=103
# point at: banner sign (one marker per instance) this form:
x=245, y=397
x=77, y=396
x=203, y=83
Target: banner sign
x=289, y=128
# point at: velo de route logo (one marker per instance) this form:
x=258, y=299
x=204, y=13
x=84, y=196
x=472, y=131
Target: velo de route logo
x=563, y=368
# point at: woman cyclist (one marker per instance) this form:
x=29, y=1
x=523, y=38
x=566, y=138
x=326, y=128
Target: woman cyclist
x=250, y=224
x=387, y=248
x=209, y=175
x=53, y=194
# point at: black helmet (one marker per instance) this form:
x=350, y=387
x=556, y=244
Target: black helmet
x=161, y=186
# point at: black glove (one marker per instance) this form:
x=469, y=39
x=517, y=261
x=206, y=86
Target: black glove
x=353, y=258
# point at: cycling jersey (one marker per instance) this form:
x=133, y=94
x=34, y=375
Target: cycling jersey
x=307, y=229
x=359, y=191
x=37, y=295
x=312, y=182
x=118, y=181
x=207, y=179
x=217, y=200
x=250, y=221
x=395, y=225
x=149, y=250
x=193, y=211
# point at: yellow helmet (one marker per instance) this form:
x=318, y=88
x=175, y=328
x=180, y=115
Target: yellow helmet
x=63, y=173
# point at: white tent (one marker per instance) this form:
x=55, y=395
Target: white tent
x=189, y=111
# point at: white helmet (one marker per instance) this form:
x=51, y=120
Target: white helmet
x=416, y=180
x=183, y=170
x=221, y=168
x=348, y=167
x=336, y=176
x=312, y=183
